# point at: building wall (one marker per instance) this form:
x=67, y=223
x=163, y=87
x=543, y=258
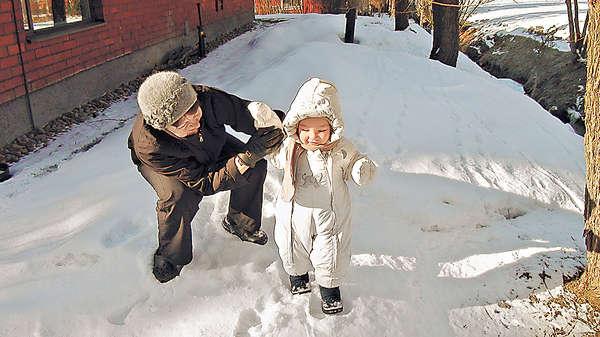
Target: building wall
x=67, y=69
x=263, y=7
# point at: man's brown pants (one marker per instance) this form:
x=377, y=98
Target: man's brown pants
x=178, y=204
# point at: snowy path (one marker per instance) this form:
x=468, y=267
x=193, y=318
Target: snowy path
x=479, y=192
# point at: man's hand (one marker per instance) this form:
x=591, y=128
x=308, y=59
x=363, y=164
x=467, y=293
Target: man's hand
x=263, y=142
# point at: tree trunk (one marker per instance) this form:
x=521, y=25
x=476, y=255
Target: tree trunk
x=445, y=32
x=336, y=6
x=571, y=28
x=401, y=14
x=589, y=284
x=576, y=20
x=584, y=35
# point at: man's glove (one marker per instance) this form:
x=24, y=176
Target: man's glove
x=263, y=142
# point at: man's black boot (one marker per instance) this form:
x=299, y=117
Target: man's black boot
x=164, y=270
x=259, y=237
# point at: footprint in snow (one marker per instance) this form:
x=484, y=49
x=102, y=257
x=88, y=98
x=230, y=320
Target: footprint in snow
x=76, y=260
x=248, y=319
x=118, y=316
x=119, y=234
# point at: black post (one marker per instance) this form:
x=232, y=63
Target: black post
x=201, y=34
x=350, y=22
x=4, y=172
x=23, y=73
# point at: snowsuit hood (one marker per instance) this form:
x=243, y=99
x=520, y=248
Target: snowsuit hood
x=315, y=98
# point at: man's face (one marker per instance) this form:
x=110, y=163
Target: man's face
x=188, y=124
x=314, y=131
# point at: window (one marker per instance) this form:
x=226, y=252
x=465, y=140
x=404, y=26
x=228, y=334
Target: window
x=218, y=5
x=48, y=14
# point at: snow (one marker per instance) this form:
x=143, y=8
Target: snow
x=516, y=17
x=479, y=195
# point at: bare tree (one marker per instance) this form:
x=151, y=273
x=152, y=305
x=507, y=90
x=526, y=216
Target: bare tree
x=467, y=8
x=572, y=37
x=576, y=36
x=445, y=31
x=576, y=19
x=589, y=283
x=583, y=41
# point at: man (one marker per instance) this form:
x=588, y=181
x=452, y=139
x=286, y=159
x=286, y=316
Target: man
x=180, y=146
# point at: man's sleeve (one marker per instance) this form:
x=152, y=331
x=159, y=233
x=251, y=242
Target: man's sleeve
x=243, y=115
x=196, y=176
x=233, y=111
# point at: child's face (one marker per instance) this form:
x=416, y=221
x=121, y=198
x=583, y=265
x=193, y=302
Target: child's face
x=314, y=131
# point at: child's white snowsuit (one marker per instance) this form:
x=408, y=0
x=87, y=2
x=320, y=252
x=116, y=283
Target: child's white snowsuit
x=313, y=212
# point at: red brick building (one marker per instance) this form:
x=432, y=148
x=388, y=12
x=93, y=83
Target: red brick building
x=69, y=52
x=364, y=7
x=263, y=7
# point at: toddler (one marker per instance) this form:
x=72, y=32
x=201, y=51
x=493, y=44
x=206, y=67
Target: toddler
x=313, y=212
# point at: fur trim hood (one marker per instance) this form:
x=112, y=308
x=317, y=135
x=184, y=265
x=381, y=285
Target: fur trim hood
x=315, y=98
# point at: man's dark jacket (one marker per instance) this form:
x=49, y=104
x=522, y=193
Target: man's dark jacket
x=194, y=160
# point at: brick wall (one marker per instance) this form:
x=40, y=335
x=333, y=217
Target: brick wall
x=129, y=25
x=316, y=6
x=263, y=7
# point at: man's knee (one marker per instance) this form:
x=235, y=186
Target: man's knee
x=181, y=197
x=179, y=191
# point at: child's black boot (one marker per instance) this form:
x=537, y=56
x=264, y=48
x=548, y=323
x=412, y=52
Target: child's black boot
x=331, y=300
x=299, y=284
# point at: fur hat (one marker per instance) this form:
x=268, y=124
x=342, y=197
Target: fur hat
x=315, y=98
x=164, y=97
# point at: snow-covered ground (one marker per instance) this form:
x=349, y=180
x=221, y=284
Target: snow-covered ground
x=473, y=219
x=516, y=17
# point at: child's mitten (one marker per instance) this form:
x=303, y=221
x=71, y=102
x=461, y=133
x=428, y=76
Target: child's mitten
x=363, y=171
x=264, y=116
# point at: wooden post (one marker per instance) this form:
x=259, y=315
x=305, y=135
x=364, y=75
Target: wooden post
x=350, y=23
x=400, y=14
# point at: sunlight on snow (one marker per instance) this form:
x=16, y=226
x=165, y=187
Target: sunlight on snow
x=477, y=265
